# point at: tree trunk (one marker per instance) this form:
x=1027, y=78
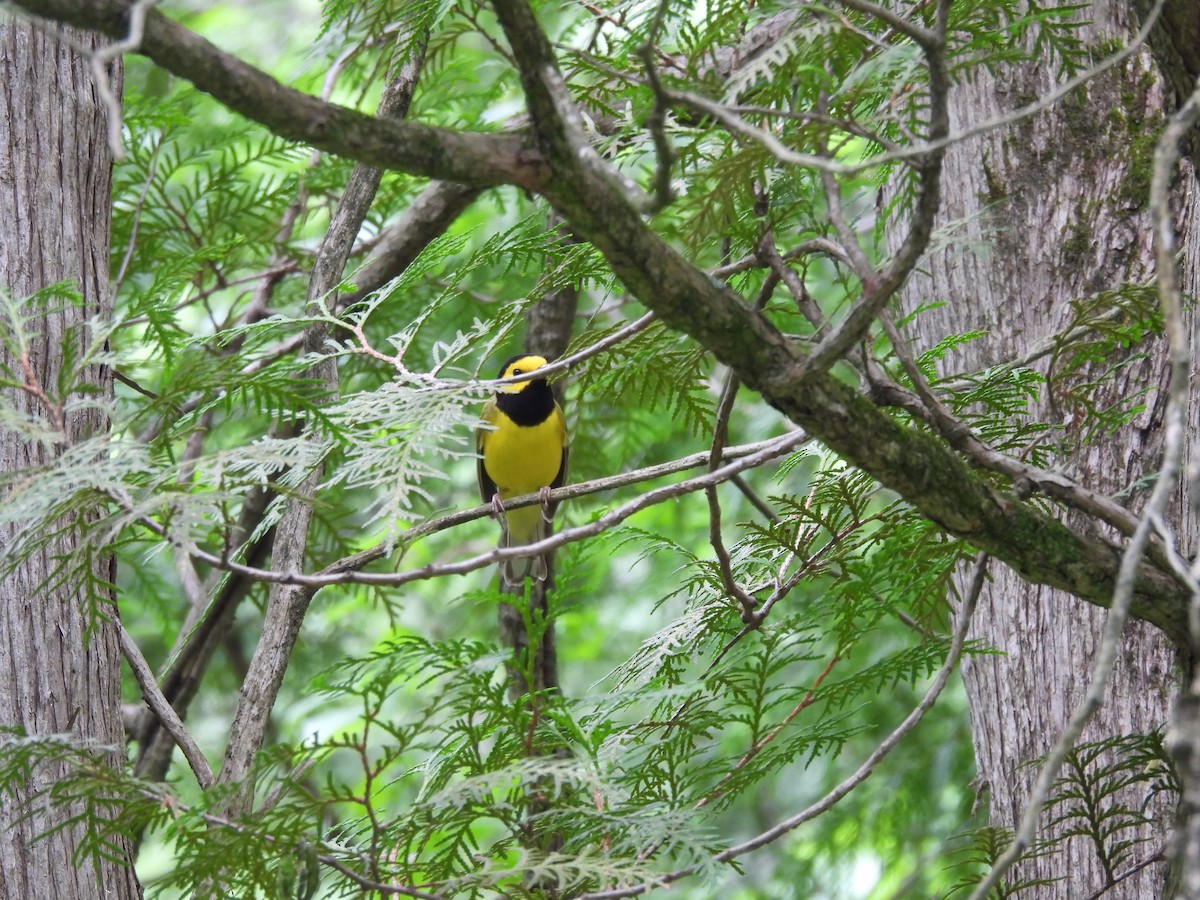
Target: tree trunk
x=1059, y=201
x=55, y=676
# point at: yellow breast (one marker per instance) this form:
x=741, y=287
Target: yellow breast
x=522, y=459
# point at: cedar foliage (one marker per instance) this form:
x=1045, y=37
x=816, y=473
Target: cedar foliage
x=400, y=753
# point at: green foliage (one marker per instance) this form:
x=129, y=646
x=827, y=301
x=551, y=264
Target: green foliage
x=993, y=34
x=102, y=803
x=657, y=372
x=1110, y=788
x=687, y=720
x=979, y=851
x=1100, y=342
x=1107, y=789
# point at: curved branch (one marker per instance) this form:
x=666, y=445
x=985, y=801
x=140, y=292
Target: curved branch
x=346, y=571
x=919, y=467
x=474, y=158
x=162, y=708
x=427, y=217
x=286, y=603
x=879, y=288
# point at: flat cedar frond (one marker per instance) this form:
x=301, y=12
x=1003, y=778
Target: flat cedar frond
x=21, y=316
x=988, y=35
x=68, y=495
x=393, y=30
x=29, y=428
x=229, y=196
x=977, y=851
x=1105, y=794
x=1002, y=391
x=885, y=578
x=997, y=408
x=105, y=803
x=657, y=371
x=1099, y=342
x=395, y=441
x=929, y=359
x=453, y=830
x=677, y=643
x=722, y=189
x=906, y=666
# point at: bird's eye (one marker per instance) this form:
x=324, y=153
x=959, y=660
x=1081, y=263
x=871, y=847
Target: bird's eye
x=517, y=372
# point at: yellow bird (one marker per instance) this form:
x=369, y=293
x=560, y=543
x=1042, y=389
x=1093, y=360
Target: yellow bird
x=523, y=448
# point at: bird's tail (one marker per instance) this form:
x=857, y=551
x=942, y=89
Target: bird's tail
x=524, y=526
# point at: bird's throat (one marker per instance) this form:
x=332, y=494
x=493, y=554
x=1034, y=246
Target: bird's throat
x=529, y=406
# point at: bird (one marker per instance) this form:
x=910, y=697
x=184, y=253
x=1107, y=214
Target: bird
x=523, y=448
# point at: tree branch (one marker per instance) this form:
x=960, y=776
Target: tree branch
x=346, y=571
x=162, y=709
x=879, y=288
x=470, y=158
x=399, y=243
x=720, y=439
x=1175, y=426
x=917, y=466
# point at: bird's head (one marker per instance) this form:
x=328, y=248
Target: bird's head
x=519, y=365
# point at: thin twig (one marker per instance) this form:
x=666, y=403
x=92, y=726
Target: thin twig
x=567, y=362
x=809, y=247
x=860, y=775
x=755, y=500
x=345, y=571
x=849, y=126
x=808, y=307
x=806, y=701
x=929, y=41
x=162, y=708
x=1160, y=856
x=959, y=436
x=101, y=57
x=720, y=437
x=851, y=247
x=785, y=154
x=133, y=385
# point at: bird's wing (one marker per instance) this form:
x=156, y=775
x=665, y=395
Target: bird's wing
x=487, y=487
x=561, y=478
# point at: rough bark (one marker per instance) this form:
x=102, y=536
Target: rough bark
x=55, y=678
x=1059, y=201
